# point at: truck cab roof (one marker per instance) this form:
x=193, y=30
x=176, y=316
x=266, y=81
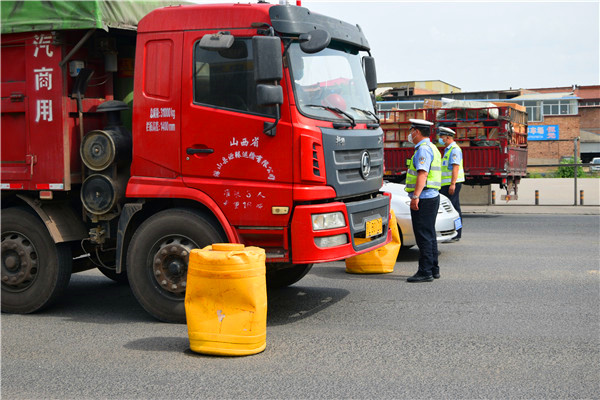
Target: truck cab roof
x=286, y=20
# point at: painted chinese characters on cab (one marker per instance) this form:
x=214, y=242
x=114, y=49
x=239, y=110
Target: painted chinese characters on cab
x=43, y=50
x=43, y=42
x=162, y=119
x=247, y=149
x=243, y=199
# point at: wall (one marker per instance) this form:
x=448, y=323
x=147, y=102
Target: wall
x=424, y=91
x=549, y=152
x=590, y=119
x=476, y=195
x=588, y=92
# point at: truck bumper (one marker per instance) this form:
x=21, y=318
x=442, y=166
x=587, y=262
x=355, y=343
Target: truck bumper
x=306, y=245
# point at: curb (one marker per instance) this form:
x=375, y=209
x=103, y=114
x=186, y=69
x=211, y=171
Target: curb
x=533, y=209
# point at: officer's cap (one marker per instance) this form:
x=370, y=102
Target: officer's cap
x=446, y=131
x=420, y=123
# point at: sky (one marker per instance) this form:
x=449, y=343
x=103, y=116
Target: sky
x=477, y=45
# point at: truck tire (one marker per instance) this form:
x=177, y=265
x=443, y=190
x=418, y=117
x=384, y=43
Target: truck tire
x=35, y=270
x=280, y=275
x=157, y=260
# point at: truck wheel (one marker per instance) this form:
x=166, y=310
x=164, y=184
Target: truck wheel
x=280, y=275
x=35, y=270
x=157, y=260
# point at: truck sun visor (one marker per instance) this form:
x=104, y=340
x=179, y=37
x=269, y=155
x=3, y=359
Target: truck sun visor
x=293, y=20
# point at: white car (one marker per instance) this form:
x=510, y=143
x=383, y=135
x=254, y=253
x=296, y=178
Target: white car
x=596, y=165
x=446, y=223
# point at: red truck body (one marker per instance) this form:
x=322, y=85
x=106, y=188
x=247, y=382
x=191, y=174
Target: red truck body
x=187, y=144
x=493, y=141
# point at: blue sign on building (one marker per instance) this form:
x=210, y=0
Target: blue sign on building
x=542, y=132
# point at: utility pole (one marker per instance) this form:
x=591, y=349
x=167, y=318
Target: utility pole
x=575, y=158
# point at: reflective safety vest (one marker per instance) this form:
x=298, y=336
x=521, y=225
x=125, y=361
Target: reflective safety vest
x=434, y=177
x=447, y=167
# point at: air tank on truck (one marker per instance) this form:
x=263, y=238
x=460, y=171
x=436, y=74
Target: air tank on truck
x=131, y=136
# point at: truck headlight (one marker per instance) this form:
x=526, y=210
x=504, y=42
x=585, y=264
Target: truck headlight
x=331, y=241
x=328, y=221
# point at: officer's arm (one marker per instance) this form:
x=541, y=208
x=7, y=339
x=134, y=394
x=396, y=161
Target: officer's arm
x=452, y=187
x=455, y=168
x=421, y=181
x=419, y=186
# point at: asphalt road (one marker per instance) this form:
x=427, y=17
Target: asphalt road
x=516, y=314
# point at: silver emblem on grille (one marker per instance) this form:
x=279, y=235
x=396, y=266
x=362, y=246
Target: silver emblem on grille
x=365, y=164
x=340, y=140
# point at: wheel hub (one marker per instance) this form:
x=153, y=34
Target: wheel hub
x=176, y=267
x=170, y=264
x=19, y=261
x=11, y=262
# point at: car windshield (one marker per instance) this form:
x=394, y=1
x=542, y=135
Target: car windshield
x=596, y=161
x=331, y=84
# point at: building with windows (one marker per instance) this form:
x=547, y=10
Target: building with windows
x=557, y=116
x=588, y=110
x=410, y=88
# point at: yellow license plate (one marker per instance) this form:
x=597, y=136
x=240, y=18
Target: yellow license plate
x=374, y=227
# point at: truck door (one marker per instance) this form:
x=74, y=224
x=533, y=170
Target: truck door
x=224, y=150
x=15, y=126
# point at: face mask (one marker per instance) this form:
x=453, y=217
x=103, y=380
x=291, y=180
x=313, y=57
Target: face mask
x=410, y=137
x=441, y=141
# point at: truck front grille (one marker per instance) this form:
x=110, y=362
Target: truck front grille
x=343, y=160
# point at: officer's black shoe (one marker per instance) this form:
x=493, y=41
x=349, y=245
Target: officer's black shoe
x=420, y=278
x=436, y=276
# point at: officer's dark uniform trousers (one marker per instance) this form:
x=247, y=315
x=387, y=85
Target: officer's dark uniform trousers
x=423, y=222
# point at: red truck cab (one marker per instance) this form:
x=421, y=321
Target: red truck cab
x=251, y=123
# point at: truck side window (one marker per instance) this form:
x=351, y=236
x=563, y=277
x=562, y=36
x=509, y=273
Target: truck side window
x=225, y=78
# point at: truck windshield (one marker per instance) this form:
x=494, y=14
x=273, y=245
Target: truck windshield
x=330, y=85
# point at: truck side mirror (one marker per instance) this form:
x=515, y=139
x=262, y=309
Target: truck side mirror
x=314, y=41
x=370, y=72
x=266, y=51
x=268, y=71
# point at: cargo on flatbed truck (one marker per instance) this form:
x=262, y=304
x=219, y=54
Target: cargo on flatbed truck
x=132, y=136
x=492, y=137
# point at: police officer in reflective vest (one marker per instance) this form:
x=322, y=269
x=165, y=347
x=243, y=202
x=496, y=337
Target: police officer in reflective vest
x=453, y=173
x=423, y=182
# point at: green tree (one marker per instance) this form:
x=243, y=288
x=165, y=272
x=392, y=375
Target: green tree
x=567, y=170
